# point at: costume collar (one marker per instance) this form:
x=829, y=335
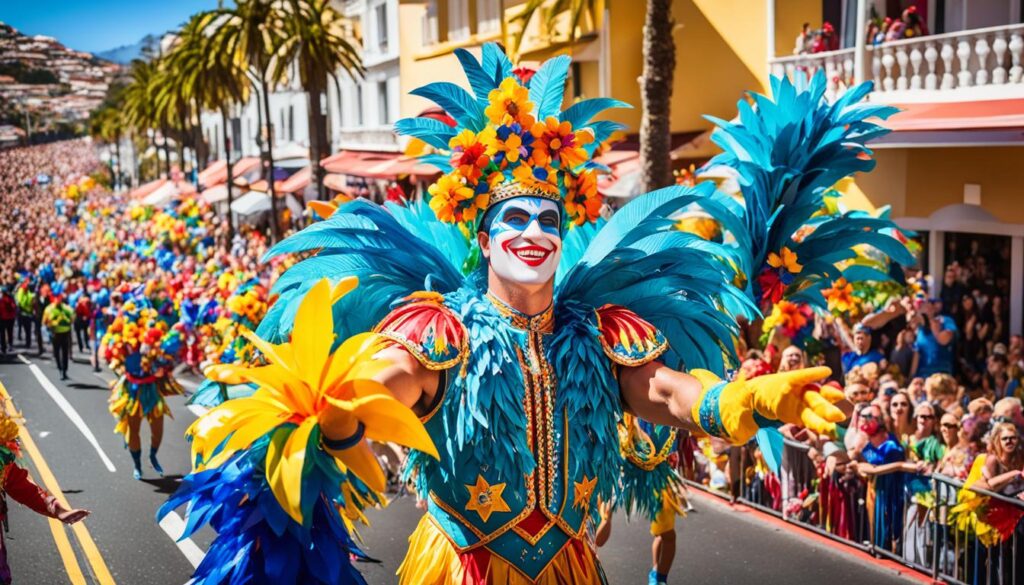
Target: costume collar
x=542, y=322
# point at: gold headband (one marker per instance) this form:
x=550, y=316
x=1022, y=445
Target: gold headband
x=509, y=190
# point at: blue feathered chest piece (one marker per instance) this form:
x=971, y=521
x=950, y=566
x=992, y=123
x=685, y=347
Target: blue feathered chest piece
x=526, y=425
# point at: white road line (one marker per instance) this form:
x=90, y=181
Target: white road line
x=68, y=410
x=174, y=526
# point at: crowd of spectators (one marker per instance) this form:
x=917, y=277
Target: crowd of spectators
x=65, y=256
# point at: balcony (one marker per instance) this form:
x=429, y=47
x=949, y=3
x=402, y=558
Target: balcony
x=381, y=139
x=980, y=64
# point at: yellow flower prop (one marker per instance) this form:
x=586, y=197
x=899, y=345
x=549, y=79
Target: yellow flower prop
x=453, y=201
x=556, y=142
x=302, y=381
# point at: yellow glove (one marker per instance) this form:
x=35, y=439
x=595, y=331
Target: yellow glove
x=736, y=410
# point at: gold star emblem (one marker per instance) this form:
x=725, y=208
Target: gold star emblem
x=485, y=498
x=583, y=491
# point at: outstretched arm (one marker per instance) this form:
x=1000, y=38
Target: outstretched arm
x=735, y=410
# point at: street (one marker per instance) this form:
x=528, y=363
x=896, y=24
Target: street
x=716, y=544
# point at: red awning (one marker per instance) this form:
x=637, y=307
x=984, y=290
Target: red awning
x=337, y=183
x=143, y=190
x=297, y=182
x=376, y=165
x=976, y=115
x=217, y=172
x=625, y=167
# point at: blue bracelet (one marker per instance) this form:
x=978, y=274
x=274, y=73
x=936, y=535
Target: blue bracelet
x=346, y=443
x=709, y=412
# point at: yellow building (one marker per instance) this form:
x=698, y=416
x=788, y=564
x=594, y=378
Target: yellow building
x=951, y=168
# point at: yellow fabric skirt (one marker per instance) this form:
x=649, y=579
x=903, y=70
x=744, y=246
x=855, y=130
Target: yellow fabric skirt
x=433, y=560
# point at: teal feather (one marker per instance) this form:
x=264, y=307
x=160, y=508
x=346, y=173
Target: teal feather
x=547, y=86
x=456, y=101
x=434, y=132
x=582, y=111
x=480, y=81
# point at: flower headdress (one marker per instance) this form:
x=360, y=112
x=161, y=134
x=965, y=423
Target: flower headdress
x=511, y=139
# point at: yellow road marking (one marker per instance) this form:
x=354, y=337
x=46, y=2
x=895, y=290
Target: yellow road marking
x=92, y=553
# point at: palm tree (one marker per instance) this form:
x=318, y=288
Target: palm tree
x=659, y=50
x=314, y=38
x=212, y=79
x=251, y=31
x=139, y=109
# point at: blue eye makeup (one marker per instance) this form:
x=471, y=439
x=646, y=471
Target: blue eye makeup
x=519, y=214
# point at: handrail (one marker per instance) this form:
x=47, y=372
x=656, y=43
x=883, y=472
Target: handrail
x=959, y=485
x=948, y=36
x=806, y=56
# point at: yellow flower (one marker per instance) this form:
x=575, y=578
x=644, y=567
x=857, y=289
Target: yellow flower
x=786, y=259
x=455, y=202
x=509, y=103
x=301, y=382
x=785, y=315
x=471, y=152
x=840, y=296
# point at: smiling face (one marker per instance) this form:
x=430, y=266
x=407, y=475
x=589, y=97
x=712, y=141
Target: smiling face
x=524, y=242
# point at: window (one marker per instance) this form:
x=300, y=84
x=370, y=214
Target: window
x=381, y=13
x=430, y=24
x=382, y=103
x=291, y=123
x=279, y=135
x=488, y=16
x=458, y=20
x=359, y=105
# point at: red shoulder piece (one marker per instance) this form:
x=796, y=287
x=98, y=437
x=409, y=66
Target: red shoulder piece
x=428, y=329
x=627, y=338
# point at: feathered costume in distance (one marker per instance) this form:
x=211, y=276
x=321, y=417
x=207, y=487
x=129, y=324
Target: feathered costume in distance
x=525, y=440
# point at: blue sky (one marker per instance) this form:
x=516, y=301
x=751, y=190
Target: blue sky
x=97, y=25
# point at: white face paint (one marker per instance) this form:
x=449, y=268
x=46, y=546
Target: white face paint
x=525, y=240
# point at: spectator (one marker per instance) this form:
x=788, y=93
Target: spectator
x=902, y=356
x=1008, y=410
x=858, y=393
x=8, y=315
x=1004, y=466
x=934, y=343
x=883, y=459
x=926, y=450
x=916, y=390
x=982, y=409
x=58, y=318
x=792, y=359
x=958, y=460
x=83, y=316
x=25, y=298
x=861, y=353
x=996, y=382
x=898, y=419
x=949, y=432
x=942, y=391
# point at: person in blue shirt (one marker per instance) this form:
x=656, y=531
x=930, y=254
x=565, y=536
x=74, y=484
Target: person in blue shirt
x=861, y=353
x=935, y=339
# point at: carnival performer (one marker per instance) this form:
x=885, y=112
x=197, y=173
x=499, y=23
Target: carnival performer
x=141, y=349
x=16, y=483
x=518, y=327
x=650, y=488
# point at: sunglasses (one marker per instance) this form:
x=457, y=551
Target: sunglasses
x=926, y=416
x=869, y=417
x=950, y=426
x=1008, y=439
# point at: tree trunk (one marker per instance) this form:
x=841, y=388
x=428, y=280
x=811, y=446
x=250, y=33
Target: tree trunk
x=120, y=163
x=656, y=96
x=317, y=136
x=167, y=152
x=275, y=227
x=227, y=160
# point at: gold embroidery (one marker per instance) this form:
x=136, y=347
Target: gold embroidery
x=583, y=491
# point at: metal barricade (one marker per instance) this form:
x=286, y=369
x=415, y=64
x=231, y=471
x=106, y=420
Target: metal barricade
x=904, y=517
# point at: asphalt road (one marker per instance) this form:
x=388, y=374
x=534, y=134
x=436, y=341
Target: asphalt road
x=717, y=545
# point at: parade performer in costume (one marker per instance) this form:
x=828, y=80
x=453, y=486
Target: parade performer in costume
x=650, y=487
x=16, y=483
x=141, y=349
x=512, y=324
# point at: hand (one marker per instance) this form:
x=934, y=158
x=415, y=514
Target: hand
x=789, y=397
x=72, y=516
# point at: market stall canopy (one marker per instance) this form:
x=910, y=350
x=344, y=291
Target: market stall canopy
x=377, y=165
x=147, y=188
x=291, y=156
x=336, y=182
x=252, y=203
x=217, y=172
x=216, y=194
x=298, y=182
x=169, y=190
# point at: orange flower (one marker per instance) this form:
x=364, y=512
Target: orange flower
x=840, y=296
x=787, y=316
x=472, y=152
x=582, y=201
x=510, y=103
x=785, y=259
x=455, y=202
x=557, y=143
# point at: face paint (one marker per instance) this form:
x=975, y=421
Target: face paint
x=526, y=240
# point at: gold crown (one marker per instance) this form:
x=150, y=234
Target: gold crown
x=512, y=189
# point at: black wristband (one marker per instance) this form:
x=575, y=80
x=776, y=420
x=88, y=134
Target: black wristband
x=346, y=443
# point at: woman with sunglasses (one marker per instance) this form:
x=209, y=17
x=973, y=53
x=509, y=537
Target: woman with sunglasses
x=898, y=417
x=1004, y=466
x=926, y=450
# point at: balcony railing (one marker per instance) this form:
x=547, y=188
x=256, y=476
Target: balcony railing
x=976, y=64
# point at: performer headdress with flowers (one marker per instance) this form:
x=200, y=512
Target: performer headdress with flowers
x=511, y=139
